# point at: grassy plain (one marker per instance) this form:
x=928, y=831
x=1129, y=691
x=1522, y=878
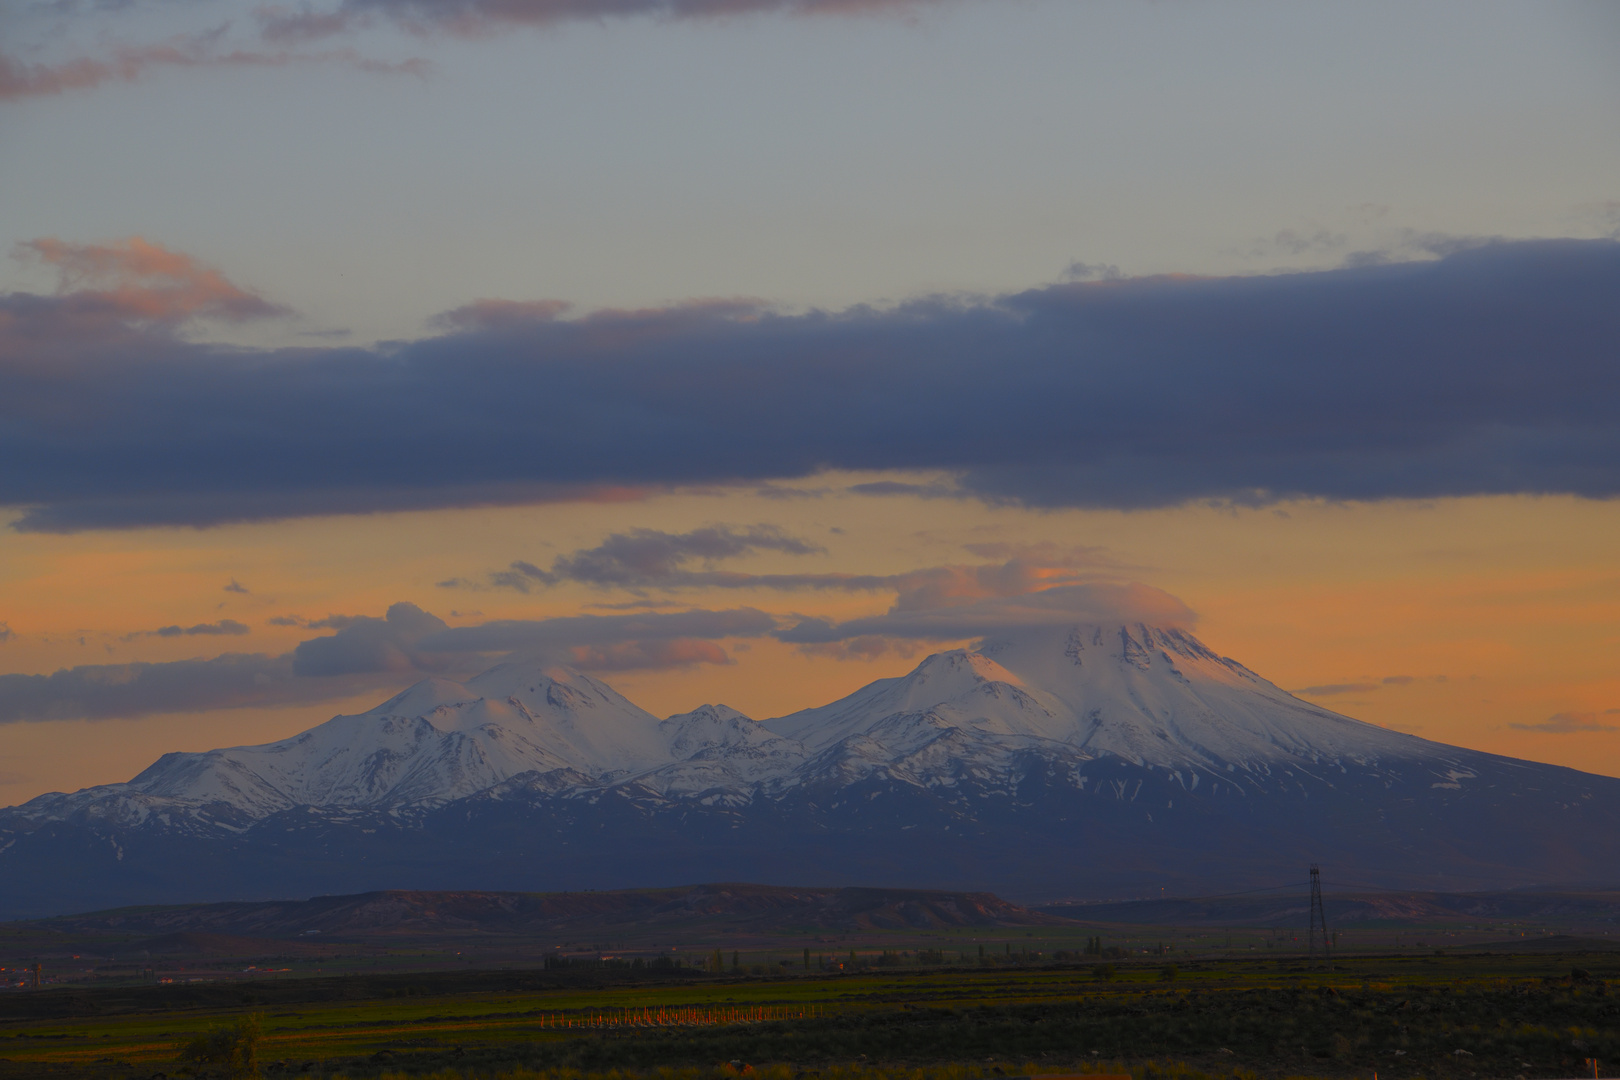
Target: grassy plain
x=1535, y=1015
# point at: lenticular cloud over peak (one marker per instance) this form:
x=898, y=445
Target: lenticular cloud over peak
x=1010, y=616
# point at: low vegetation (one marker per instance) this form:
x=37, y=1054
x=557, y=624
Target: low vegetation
x=1435, y=1018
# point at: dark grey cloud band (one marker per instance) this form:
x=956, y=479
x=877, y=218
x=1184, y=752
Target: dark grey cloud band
x=1493, y=370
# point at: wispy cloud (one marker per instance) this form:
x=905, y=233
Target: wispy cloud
x=1408, y=244
x=106, y=691
x=369, y=652
x=472, y=18
x=286, y=36
x=560, y=636
x=1368, y=685
x=224, y=627
x=652, y=559
x=126, y=63
x=862, y=649
x=1084, y=271
x=1570, y=723
x=649, y=557
x=1335, y=689
x=1487, y=371
x=328, y=622
x=1094, y=602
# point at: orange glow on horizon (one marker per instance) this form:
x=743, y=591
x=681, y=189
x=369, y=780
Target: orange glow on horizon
x=1465, y=617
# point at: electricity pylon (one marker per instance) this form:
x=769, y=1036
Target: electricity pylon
x=1318, y=920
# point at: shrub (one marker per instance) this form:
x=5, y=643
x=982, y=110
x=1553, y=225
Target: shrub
x=236, y=1048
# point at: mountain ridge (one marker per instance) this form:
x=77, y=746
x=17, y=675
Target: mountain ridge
x=402, y=911
x=1077, y=760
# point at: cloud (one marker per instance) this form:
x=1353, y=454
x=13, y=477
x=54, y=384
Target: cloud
x=871, y=647
x=236, y=587
x=557, y=636
x=410, y=639
x=369, y=652
x=330, y=622
x=884, y=489
x=1367, y=686
x=285, y=34
x=1096, y=602
x=6, y=633
x=213, y=629
x=1080, y=271
x=371, y=645
x=482, y=17
x=221, y=505
x=499, y=314
x=136, y=279
x=1569, y=723
x=1297, y=242
x=1037, y=584
x=650, y=557
x=1413, y=243
x=105, y=691
x=1043, y=553
x=637, y=605
x=1333, y=689
x=1487, y=371
x=126, y=63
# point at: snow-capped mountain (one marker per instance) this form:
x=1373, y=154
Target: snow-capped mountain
x=435, y=742
x=440, y=741
x=1144, y=694
x=1083, y=759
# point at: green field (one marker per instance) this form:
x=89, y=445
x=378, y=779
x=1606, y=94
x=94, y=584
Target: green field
x=1531, y=1015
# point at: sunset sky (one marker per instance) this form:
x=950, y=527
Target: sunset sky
x=746, y=351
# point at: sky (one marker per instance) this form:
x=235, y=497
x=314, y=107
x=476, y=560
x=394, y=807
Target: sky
x=750, y=350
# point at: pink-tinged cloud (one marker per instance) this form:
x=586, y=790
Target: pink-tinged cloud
x=141, y=280
x=127, y=63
